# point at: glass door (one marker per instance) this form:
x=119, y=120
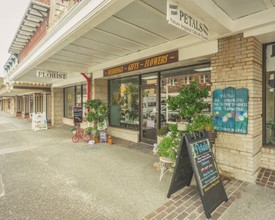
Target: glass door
x=149, y=112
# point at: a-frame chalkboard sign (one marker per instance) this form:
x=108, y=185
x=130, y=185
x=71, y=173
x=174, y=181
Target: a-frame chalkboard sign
x=201, y=162
x=183, y=172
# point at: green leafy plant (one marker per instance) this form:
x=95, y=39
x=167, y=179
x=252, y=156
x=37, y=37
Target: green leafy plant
x=190, y=101
x=201, y=122
x=89, y=130
x=97, y=113
x=168, y=148
x=72, y=129
x=163, y=131
x=169, y=145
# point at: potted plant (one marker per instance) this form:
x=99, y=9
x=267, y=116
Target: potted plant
x=169, y=145
x=189, y=102
x=203, y=122
x=89, y=130
x=162, y=132
x=97, y=115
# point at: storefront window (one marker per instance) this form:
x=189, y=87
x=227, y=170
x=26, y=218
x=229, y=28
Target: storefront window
x=124, y=102
x=270, y=95
x=173, y=80
x=78, y=95
x=84, y=99
x=74, y=96
x=69, y=95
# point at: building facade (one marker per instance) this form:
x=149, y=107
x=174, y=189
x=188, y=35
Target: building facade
x=135, y=54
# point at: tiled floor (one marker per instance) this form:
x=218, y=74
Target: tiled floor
x=187, y=203
x=266, y=178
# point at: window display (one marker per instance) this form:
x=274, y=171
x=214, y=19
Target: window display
x=124, y=102
x=270, y=95
x=173, y=80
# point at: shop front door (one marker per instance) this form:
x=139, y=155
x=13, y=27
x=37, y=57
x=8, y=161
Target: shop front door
x=149, y=112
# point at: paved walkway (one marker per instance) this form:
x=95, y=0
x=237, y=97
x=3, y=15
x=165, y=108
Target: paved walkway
x=43, y=175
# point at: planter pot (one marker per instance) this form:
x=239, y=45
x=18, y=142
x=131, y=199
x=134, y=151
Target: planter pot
x=212, y=136
x=182, y=126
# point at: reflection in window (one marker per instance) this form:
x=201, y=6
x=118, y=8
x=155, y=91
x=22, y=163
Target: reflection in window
x=270, y=96
x=173, y=80
x=124, y=102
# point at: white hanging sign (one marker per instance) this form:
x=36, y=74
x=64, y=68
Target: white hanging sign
x=51, y=74
x=184, y=20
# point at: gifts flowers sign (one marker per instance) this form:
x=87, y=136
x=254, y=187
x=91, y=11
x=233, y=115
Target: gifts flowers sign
x=230, y=110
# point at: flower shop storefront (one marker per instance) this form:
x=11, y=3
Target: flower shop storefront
x=138, y=102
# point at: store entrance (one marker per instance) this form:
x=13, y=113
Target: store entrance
x=149, y=112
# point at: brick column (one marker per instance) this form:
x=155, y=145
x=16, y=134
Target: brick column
x=57, y=106
x=238, y=63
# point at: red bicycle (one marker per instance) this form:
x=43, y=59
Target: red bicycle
x=79, y=135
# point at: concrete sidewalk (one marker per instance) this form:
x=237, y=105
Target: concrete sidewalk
x=43, y=175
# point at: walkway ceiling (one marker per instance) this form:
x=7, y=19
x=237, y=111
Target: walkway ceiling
x=124, y=31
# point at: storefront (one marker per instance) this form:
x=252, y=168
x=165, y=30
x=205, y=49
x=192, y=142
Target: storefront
x=135, y=66
x=74, y=96
x=138, y=102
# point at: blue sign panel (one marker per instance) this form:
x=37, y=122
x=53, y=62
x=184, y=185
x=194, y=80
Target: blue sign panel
x=230, y=109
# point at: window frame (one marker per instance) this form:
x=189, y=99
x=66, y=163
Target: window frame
x=264, y=107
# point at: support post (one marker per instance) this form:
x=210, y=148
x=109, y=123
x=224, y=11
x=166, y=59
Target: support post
x=88, y=83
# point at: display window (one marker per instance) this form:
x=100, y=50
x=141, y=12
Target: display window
x=269, y=95
x=74, y=96
x=142, y=99
x=174, y=80
x=124, y=102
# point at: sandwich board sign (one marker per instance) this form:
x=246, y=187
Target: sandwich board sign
x=78, y=115
x=39, y=121
x=202, y=164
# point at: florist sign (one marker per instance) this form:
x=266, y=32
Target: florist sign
x=230, y=108
x=184, y=20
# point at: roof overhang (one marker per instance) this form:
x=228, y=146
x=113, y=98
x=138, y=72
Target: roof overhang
x=100, y=34
x=35, y=13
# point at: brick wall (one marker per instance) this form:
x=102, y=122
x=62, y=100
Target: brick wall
x=268, y=158
x=100, y=89
x=238, y=63
x=57, y=106
x=37, y=36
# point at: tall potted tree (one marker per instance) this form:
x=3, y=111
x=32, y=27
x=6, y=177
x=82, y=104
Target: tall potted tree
x=96, y=116
x=189, y=102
